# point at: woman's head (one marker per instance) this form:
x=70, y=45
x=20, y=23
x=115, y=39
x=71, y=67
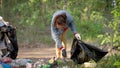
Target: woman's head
x=60, y=21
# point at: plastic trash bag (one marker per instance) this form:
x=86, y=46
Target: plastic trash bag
x=82, y=52
x=13, y=39
x=9, y=41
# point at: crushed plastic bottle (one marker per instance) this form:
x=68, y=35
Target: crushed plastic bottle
x=40, y=66
x=29, y=64
x=37, y=64
x=14, y=64
x=21, y=62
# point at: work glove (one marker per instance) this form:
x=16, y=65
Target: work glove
x=77, y=36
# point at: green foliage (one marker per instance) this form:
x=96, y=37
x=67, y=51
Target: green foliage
x=92, y=18
x=112, y=35
x=32, y=17
x=89, y=29
x=110, y=62
x=117, y=64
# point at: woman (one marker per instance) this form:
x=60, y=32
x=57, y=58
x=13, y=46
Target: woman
x=61, y=21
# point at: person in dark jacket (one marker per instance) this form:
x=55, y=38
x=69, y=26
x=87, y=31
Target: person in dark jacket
x=61, y=21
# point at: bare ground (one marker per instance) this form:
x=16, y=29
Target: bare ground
x=44, y=51
x=38, y=52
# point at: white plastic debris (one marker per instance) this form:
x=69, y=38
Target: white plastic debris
x=21, y=62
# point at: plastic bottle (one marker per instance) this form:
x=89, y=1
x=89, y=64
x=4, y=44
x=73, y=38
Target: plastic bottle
x=29, y=64
x=40, y=66
x=14, y=64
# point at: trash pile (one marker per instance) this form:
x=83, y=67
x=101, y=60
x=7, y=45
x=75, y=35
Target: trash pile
x=7, y=62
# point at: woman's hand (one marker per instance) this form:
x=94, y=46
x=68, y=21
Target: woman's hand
x=77, y=35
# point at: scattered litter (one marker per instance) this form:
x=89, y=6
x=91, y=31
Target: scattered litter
x=90, y=65
x=65, y=67
x=6, y=60
x=21, y=62
x=29, y=64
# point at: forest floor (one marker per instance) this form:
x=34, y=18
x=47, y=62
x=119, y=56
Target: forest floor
x=45, y=53
x=40, y=51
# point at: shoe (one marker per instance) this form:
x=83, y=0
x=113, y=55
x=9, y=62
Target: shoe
x=64, y=53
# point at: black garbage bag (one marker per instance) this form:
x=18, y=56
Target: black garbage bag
x=10, y=38
x=82, y=52
x=11, y=33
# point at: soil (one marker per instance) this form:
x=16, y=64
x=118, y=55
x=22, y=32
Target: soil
x=38, y=52
x=46, y=52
